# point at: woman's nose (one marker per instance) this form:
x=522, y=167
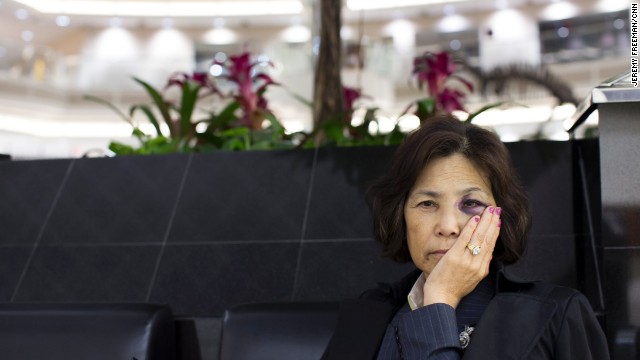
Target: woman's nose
x=448, y=224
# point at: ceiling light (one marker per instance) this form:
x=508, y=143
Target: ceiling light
x=296, y=34
x=559, y=11
x=220, y=57
x=218, y=22
x=27, y=35
x=453, y=23
x=162, y=9
x=347, y=33
x=387, y=4
x=618, y=24
x=563, y=32
x=502, y=4
x=612, y=5
x=449, y=10
x=63, y=21
x=115, y=22
x=167, y=23
x=221, y=36
x=22, y=14
x=216, y=70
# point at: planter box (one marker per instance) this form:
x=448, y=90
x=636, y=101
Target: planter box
x=202, y=232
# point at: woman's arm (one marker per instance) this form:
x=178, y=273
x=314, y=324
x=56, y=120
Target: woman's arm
x=426, y=333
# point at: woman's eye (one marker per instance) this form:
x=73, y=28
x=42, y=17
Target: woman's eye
x=427, y=203
x=472, y=203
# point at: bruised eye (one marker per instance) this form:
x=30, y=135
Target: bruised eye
x=473, y=203
x=472, y=207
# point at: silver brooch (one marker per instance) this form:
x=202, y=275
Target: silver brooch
x=465, y=336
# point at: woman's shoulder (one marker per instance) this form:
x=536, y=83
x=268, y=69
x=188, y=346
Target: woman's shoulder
x=562, y=296
x=511, y=282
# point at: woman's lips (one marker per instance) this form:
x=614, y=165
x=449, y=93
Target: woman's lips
x=439, y=252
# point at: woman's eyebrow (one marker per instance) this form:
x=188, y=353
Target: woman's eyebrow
x=471, y=189
x=427, y=192
x=437, y=194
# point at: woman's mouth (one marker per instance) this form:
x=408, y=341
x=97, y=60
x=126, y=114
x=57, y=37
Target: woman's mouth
x=439, y=252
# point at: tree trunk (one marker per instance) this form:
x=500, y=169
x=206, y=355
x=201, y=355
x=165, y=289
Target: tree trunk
x=327, y=91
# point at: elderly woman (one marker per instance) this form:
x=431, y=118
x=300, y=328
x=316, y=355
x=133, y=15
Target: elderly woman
x=451, y=203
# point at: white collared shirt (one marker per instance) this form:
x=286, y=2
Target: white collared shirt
x=416, y=295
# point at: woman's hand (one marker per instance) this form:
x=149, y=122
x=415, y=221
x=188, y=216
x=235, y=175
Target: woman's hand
x=459, y=271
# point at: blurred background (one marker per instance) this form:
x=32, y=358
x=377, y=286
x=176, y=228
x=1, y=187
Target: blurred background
x=55, y=52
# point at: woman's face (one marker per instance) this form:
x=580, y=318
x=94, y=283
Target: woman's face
x=449, y=191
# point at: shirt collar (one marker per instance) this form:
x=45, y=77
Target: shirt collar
x=416, y=295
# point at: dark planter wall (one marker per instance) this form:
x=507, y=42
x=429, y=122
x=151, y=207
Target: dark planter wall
x=203, y=232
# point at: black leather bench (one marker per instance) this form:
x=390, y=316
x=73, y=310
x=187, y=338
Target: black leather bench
x=277, y=331
x=86, y=331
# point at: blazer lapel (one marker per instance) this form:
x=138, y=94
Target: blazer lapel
x=523, y=328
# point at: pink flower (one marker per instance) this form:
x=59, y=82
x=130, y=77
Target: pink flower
x=201, y=78
x=251, y=98
x=349, y=97
x=436, y=69
x=450, y=99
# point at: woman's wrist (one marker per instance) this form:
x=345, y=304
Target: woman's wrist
x=436, y=298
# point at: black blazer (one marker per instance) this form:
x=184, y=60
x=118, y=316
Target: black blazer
x=525, y=320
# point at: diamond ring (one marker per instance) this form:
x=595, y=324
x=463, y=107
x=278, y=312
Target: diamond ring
x=475, y=249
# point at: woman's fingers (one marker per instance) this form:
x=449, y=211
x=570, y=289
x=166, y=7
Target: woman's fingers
x=466, y=234
x=486, y=233
x=492, y=231
x=459, y=271
x=480, y=231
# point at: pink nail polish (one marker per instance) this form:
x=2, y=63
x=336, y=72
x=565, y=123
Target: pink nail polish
x=499, y=223
x=491, y=209
x=476, y=218
x=498, y=211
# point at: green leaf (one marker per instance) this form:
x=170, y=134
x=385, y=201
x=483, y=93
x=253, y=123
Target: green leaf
x=150, y=115
x=277, y=130
x=141, y=136
x=190, y=92
x=483, y=109
x=226, y=116
x=160, y=145
x=333, y=131
x=111, y=106
x=303, y=100
x=159, y=101
x=236, y=139
x=121, y=149
x=426, y=108
x=395, y=137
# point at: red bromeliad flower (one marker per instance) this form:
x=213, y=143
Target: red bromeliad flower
x=251, y=99
x=449, y=100
x=349, y=97
x=200, y=78
x=436, y=69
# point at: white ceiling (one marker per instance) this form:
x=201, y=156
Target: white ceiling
x=45, y=30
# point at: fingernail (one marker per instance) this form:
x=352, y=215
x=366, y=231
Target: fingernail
x=476, y=218
x=499, y=223
x=491, y=209
x=498, y=211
